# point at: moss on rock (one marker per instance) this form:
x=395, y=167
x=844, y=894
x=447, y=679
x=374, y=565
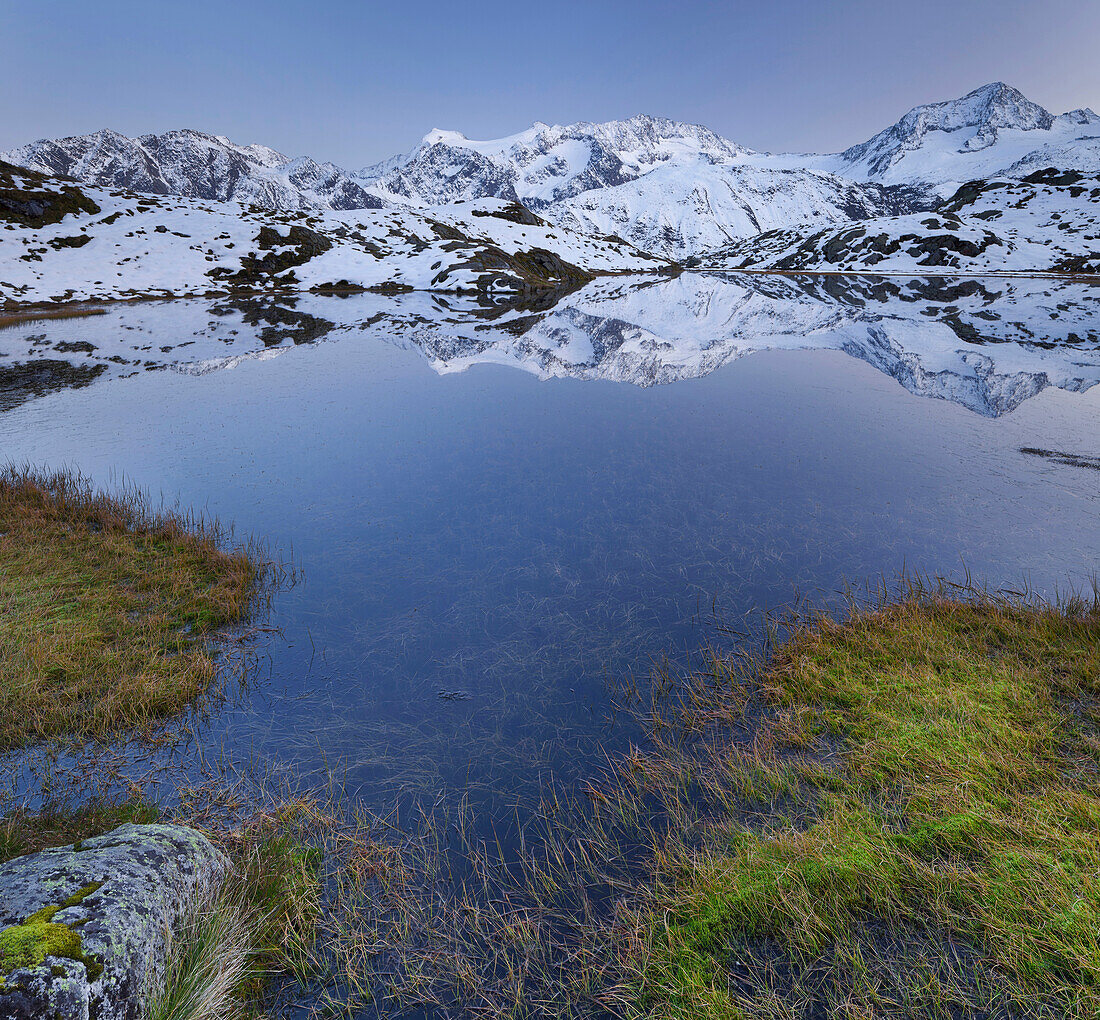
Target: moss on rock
x=28, y=944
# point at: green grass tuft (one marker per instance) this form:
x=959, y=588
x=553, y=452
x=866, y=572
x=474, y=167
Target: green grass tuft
x=962, y=804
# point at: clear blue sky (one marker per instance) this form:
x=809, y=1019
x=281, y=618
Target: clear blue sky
x=355, y=81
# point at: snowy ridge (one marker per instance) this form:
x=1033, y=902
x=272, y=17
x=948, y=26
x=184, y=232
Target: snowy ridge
x=67, y=244
x=193, y=164
x=545, y=163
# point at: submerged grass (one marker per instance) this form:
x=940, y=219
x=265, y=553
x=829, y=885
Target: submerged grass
x=894, y=815
x=106, y=607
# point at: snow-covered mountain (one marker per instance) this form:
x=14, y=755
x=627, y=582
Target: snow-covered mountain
x=61, y=242
x=192, y=164
x=669, y=188
x=991, y=131
x=672, y=189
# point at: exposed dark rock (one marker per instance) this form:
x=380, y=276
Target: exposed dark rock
x=34, y=200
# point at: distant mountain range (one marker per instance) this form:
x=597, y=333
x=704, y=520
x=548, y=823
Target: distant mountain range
x=989, y=183
x=671, y=189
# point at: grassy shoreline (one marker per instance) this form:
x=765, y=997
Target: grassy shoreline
x=112, y=616
x=106, y=609
x=910, y=832
x=893, y=814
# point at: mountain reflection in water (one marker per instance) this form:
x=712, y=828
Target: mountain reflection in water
x=988, y=344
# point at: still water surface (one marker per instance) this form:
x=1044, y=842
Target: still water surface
x=485, y=550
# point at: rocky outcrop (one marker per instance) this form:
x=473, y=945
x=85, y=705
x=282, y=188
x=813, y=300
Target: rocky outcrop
x=31, y=199
x=83, y=928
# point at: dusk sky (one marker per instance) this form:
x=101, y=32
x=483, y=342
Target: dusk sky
x=356, y=81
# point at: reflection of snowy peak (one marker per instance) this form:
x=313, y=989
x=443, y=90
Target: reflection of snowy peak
x=987, y=345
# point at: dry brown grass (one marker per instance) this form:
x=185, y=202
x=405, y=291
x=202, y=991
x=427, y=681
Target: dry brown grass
x=29, y=316
x=107, y=608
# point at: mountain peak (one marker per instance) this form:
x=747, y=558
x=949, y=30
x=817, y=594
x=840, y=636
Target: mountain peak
x=997, y=106
x=975, y=120
x=438, y=136
x=986, y=110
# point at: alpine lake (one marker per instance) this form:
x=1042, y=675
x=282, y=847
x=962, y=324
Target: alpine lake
x=499, y=516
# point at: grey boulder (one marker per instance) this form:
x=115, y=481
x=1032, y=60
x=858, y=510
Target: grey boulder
x=83, y=928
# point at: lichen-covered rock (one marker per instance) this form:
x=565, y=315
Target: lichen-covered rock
x=83, y=928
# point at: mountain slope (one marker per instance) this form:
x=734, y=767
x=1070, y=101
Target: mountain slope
x=63, y=243
x=680, y=209
x=1047, y=222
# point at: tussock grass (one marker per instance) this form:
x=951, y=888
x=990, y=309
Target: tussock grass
x=262, y=924
x=209, y=959
x=106, y=608
x=929, y=771
x=278, y=869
